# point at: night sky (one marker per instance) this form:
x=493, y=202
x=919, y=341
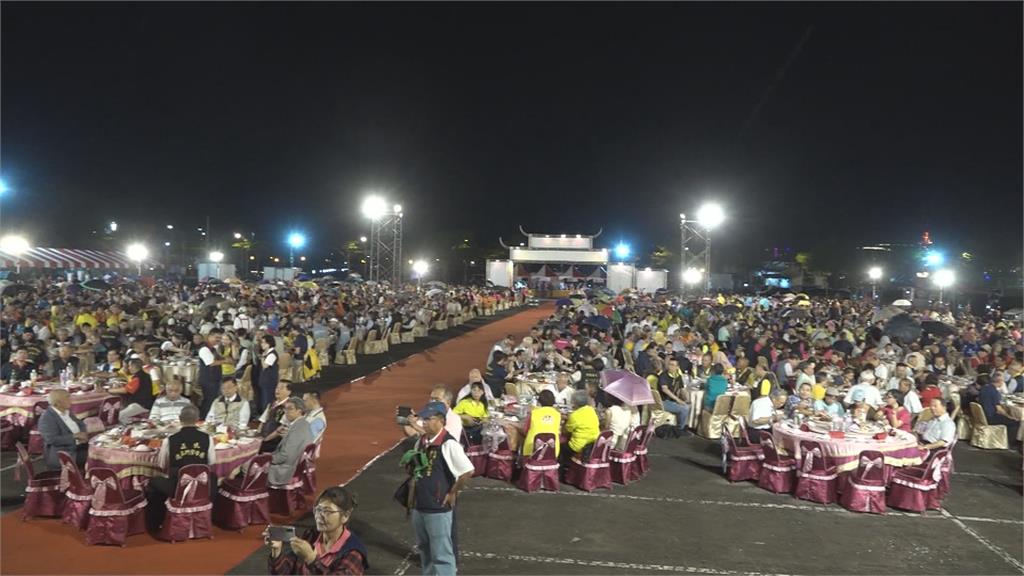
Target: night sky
x=811, y=124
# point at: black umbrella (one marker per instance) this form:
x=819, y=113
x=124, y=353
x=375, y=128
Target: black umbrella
x=938, y=328
x=15, y=288
x=844, y=346
x=97, y=284
x=796, y=313
x=599, y=322
x=903, y=328
x=731, y=308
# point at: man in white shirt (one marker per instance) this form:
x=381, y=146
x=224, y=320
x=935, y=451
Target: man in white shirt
x=899, y=374
x=940, y=431
x=243, y=322
x=872, y=396
x=167, y=408
x=911, y=401
x=766, y=410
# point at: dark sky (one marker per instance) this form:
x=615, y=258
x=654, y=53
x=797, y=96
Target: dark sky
x=890, y=120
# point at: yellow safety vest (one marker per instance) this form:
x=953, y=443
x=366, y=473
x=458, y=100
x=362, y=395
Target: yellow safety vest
x=543, y=420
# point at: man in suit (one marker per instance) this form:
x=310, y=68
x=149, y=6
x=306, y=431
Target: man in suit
x=286, y=456
x=62, y=432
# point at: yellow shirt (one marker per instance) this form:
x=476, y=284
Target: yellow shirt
x=583, y=427
x=469, y=407
x=113, y=320
x=86, y=318
x=543, y=420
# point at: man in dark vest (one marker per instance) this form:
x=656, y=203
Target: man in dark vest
x=210, y=371
x=189, y=445
x=138, y=392
x=435, y=491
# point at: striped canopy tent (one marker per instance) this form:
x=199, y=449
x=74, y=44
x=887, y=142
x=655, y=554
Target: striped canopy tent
x=68, y=258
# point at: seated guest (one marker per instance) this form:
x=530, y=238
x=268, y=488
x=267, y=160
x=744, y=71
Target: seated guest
x=544, y=419
x=61, y=431
x=497, y=373
x=475, y=376
x=893, y=413
x=64, y=359
x=767, y=410
x=619, y=419
x=871, y=395
x=830, y=406
x=562, y=389
x=860, y=410
x=167, y=408
x=315, y=414
x=138, y=392
x=715, y=386
x=992, y=404
x=582, y=425
x=930, y=390
x=473, y=412
x=802, y=403
x=671, y=385
x=911, y=401
x=19, y=368
x=329, y=549
x=940, y=431
x=187, y=446
x=112, y=367
x=273, y=424
x=286, y=456
x=229, y=408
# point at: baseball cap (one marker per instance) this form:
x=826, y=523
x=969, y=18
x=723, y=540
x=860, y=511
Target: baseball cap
x=857, y=396
x=433, y=409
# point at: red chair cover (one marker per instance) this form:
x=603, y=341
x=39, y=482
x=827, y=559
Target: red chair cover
x=35, y=439
x=864, y=489
x=308, y=466
x=596, y=471
x=189, y=511
x=622, y=462
x=244, y=500
x=741, y=462
x=778, y=474
x=43, y=496
x=500, y=463
x=8, y=433
x=816, y=478
x=77, y=491
x=916, y=488
x=289, y=498
x=642, y=465
x=540, y=470
x=110, y=409
x=477, y=454
x=115, y=513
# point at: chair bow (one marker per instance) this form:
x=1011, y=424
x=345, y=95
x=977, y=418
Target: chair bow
x=809, y=457
x=937, y=468
x=540, y=451
x=869, y=463
x=190, y=483
x=65, y=476
x=310, y=463
x=110, y=411
x=99, y=495
x=255, y=471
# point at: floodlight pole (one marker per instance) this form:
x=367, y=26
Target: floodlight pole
x=695, y=249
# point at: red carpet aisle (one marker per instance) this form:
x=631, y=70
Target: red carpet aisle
x=360, y=426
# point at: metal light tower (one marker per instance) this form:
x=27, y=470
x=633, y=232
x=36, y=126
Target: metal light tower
x=695, y=242
x=385, y=242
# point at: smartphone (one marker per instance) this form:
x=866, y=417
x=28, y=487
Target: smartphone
x=281, y=533
x=404, y=411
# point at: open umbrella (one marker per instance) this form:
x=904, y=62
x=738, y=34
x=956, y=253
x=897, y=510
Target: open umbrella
x=433, y=292
x=732, y=308
x=563, y=302
x=7, y=287
x=97, y=285
x=796, y=313
x=803, y=303
x=938, y=328
x=211, y=301
x=903, y=328
x=903, y=302
x=844, y=346
x=599, y=322
x=435, y=284
x=885, y=313
x=627, y=386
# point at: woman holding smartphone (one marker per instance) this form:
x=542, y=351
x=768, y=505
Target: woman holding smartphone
x=329, y=549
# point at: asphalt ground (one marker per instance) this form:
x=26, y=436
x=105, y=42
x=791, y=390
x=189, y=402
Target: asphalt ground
x=685, y=517
x=12, y=494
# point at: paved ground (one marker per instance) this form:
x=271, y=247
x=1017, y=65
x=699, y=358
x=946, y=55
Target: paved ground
x=684, y=517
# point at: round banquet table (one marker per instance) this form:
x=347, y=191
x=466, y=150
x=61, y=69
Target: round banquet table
x=19, y=408
x=899, y=450
x=128, y=463
x=1014, y=406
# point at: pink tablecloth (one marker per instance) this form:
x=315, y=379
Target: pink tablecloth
x=128, y=463
x=82, y=405
x=900, y=450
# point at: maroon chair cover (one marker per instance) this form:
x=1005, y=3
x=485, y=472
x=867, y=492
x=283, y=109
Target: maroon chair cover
x=77, y=491
x=540, y=469
x=189, y=511
x=43, y=496
x=741, y=462
x=622, y=462
x=642, y=465
x=596, y=471
x=308, y=465
x=115, y=513
x=500, y=463
x=110, y=409
x=35, y=439
x=778, y=474
x=477, y=454
x=816, y=477
x=917, y=488
x=8, y=433
x=864, y=489
x=291, y=497
x=244, y=500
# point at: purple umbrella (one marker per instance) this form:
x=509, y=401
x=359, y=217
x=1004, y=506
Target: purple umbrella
x=627, y=386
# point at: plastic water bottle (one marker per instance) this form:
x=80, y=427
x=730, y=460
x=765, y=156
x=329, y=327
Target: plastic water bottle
x=33, y=376
x=847, y=422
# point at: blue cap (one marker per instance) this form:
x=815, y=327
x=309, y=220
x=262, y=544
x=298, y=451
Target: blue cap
x=433, y=409
x=857, y=395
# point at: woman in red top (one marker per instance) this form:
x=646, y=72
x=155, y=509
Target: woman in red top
x=330, y=549
x=893, y=413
